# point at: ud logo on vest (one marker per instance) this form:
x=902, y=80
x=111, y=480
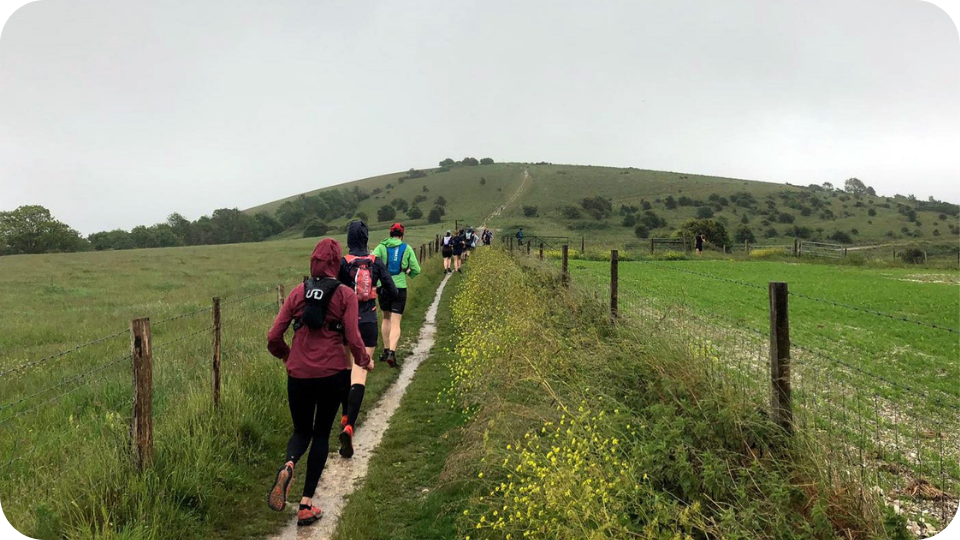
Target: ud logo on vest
x=315, y=294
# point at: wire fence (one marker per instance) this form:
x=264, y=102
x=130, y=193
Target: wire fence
x=75, y=411
x=57, y=416
x=880, y=428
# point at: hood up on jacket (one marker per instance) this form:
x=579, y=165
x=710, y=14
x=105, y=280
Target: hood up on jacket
x=325, y=261
x=357, y=236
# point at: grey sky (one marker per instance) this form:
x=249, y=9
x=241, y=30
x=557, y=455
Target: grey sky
x=116, y=113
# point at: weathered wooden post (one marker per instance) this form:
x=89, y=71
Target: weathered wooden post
x=280, y=296
x=216, y=351
x=541, y=251
x=796, y=247
x=436, y=245
x=780, y=356
x=582, y=245
x=614, y=281
x=141, y=429
x=565, y=275
x=511, y=244
x=528, y=248
x=651, y=246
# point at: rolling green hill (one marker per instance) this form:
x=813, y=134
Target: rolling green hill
x=551, y=202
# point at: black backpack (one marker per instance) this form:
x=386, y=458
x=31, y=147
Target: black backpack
x=317, y=293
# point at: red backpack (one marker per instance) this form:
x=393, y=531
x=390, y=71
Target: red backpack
x=361, y=271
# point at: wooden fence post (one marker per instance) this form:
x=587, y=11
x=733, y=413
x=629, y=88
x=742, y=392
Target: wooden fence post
x=511, y=244
x=796, y=247
x=541, y=251
x=565, y=275
x=651, y=246
x=280, y=296
x=528, y=248
x=216, y=351
x=582, y=244
x=614, y=281
x=780, y=356
x=436, y=246
x=141, y=429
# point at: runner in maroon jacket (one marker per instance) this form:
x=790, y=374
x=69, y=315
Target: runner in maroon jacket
x=318, y=376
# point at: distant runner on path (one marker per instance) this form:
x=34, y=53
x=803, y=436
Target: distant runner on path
x=361, y=271
x=520, y=237
x=324, y=314
x=458, y=242
x=401, y=262
x=446, y=249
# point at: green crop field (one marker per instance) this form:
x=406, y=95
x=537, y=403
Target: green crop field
x=886, y=346
x=65, y=461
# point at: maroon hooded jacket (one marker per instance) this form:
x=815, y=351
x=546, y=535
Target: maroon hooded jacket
x=319, y=352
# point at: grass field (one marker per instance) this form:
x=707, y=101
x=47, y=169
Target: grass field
x=66, y=468
x=889, y=347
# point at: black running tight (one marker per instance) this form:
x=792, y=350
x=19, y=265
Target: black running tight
x=313, y=406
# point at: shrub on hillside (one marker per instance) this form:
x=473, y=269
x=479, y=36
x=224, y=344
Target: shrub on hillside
x=414, y=212
x=629, y=220
x=784, y=217
x=641, y=231
x=435, y=215
x=530, y=211
x=386, y=213
x=713, y=230
x=570, y=212
x=704, y=212
x=841, y=237
x=912, y=255
x=314, y=228
x=744, y=234
x=486, y=161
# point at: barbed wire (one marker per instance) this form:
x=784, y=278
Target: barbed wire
x=65, y=382
x=184, y=337
x=181, y=316
x=242, y=298
x=807, y=297
x=7, y=421
x=858, y=369
x=45, y=359
x=873, y=312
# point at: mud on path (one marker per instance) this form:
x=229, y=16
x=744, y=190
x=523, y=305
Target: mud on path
x=342, y=476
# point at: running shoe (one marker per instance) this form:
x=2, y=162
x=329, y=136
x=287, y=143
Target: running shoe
x=344, y=420
x=392, y=359
x=346, y=442
x=308, y=516
x=277, y=498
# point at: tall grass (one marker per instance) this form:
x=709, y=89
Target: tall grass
x=586, y=429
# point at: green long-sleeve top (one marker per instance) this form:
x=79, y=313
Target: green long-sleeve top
x=408, y=261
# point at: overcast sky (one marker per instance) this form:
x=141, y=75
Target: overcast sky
x=117, y=113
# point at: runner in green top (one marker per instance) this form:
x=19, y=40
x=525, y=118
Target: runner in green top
x=401, y=262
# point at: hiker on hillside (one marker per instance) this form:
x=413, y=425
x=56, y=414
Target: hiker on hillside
x=446, y=249
x=324, y=315
x=520, y=237
x=699, y=239
x=458, y=251
x=401, y=262
x=361, y=271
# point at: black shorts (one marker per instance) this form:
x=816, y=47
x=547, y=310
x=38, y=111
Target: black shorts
x=369, y=333
x=447, y=254
x=395, y=304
